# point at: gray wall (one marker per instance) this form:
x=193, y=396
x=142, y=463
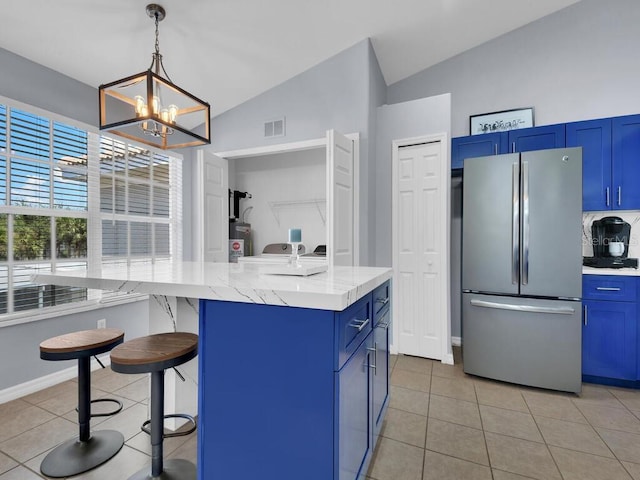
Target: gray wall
x=335, y=94
x=577, y=64
x=19, y=344
x=377, y=97
x=396, y=122
x=33, y=84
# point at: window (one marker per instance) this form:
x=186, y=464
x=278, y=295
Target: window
x=69, y=199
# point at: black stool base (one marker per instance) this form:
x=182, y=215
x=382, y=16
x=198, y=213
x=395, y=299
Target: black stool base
x=73, y=456
x=175, y=469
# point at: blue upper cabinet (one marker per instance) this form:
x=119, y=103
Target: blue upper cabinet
x=594, y=136
x=522, y=140
x=536, y=138
x=626, y=163
x=477, y=146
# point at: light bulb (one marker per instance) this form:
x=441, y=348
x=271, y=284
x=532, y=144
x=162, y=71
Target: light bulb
x=173, y=113
x=140, y=106
x=164, y=115
x=156, y=105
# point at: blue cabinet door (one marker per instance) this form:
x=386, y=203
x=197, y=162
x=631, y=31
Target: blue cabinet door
x=353, y=384
x=536, y=138
x=609, y=339
x=626, y=162
x=477, y=146
x=381, y=372
x=594, y=136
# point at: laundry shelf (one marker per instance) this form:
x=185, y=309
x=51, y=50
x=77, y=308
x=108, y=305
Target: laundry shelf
x=319, y=203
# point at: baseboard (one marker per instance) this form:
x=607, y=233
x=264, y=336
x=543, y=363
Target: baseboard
x=37, y=384
x=447, y=359
x=456, y=341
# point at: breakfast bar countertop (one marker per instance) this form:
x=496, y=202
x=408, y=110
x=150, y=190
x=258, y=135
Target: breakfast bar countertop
x=334, y=289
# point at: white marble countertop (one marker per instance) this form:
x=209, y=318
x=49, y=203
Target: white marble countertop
x=335, y=289
x=633, y=272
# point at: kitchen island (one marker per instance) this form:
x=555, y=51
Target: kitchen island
x=292, y=378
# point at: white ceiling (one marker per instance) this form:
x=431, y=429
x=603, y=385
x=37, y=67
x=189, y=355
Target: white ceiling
x=228, y=51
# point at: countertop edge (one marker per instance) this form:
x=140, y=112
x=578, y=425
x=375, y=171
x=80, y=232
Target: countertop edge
x=316, y=300
x=627, y=272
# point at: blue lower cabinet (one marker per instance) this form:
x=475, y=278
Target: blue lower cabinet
x=353, y=386
x=609, y=340
x=381, y=371
x=288, y=393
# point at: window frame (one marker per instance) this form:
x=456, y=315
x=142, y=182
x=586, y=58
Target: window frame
x=94, y=259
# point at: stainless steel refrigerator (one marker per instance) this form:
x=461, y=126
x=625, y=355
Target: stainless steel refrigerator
x=522, y=268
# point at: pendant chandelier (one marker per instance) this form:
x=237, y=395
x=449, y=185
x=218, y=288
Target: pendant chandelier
x=151, y=109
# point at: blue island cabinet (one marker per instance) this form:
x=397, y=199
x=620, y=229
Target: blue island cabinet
x=289, y=393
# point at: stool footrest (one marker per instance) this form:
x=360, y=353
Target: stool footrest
x=106, y=414
x=145, y=426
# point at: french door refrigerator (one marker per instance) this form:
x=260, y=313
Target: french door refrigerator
x=522, y=268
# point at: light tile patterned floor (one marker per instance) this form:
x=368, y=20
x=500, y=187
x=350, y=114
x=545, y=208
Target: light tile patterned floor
x=445, y=425
x=441, y=425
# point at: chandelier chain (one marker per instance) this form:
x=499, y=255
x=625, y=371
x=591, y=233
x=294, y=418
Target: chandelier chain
x=157, y=35
x=157, y=57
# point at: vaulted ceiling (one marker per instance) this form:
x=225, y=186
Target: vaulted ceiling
x=228, y=51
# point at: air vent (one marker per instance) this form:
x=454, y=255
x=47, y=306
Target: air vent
x=274, y=128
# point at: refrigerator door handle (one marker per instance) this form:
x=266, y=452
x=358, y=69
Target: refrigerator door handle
x=515, y=224
x=523, y=308
x=525, y=223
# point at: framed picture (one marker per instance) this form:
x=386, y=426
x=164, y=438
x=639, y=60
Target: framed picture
x=501, y=121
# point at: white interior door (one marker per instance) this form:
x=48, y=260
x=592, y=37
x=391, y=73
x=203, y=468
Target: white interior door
x=213, y=201
x=420, y=250
x=340, y=199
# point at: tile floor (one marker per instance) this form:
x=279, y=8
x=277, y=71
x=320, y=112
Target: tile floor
x=441, y=424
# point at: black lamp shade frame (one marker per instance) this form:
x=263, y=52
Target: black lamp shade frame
x=182, y=136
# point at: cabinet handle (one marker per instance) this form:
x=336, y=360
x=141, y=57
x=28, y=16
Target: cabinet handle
x=608, y=199
x=586, y=317
x=375, y=358
x=495, y=148
x=513, y=147
x=383, y=301
x=608, y=289
x=619, y=195
x=383, y=325
x=359, y=324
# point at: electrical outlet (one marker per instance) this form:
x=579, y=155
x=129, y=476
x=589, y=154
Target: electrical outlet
x=102, y=323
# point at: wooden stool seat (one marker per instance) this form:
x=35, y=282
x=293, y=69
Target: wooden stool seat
x=154, y=352
x=90, y=449
x=86, y=343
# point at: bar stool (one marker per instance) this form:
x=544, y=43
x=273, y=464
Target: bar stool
x=90, y=449
x=154, y=354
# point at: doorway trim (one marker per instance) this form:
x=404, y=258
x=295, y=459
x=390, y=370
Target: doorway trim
x=310, y=145
x=443, y=139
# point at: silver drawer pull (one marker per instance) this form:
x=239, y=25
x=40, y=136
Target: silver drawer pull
x=383, y=325
x=383, y=301
x=359, y=324
x=608, y=289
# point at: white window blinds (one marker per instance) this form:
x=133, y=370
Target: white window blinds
x=71, y=199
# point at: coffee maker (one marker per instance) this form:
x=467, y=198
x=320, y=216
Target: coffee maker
x=610, y=240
